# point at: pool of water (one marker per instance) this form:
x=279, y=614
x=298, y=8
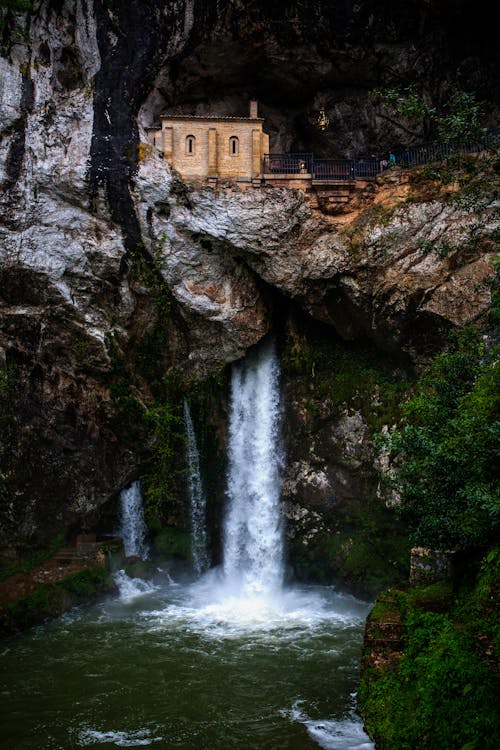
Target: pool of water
x=188, y=666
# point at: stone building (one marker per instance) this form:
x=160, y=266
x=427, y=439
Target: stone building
x=214, y=148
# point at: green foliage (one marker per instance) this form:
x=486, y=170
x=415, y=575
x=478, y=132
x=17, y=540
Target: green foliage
x=442, y=692
x=166, y=435
x=458, y=122
x=448, y=449
x=8, y=7
x=16, y=4
x=146, y=397
x=154, y=423
x=462, y=119
x=149, y=345
x=405, y=102
x=495, y=291
x=442, y=248
x=476, y=179
x=440, y=695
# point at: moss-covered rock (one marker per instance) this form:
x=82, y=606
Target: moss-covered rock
x=172, y=542
x=140, y=569
x=52, y=599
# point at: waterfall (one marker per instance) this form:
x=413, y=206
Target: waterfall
x=253, y=534
x=133, y=527
x=197, y=497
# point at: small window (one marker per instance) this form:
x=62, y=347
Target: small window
x=234, y=146
x=190, y=145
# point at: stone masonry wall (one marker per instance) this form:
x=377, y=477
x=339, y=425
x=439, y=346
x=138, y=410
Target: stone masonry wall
x=245, y=164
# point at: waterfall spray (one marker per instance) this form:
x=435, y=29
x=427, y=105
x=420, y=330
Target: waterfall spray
x=133, y=527
x=253, y=534
x=197, y=497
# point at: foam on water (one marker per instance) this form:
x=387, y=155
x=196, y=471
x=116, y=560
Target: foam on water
x=243, y=606
x=139, y=738
x=132, y=588
x=343, y=734
x=215, y=607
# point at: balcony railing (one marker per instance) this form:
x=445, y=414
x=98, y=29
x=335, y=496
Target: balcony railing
x=426, y=153
x=288, y=164
x=361, y=169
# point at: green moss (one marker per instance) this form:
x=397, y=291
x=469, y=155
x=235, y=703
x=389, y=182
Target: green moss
x=437, y=596
x=374, y=215
x=351, y=374
x=366, y=560
x=385, y=606
x=172, y=542
x=140, y=569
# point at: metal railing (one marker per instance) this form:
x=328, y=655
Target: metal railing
x=321, y=169
x=288, y=164
x=334, y=169
x=360, y=169
x=426, y=153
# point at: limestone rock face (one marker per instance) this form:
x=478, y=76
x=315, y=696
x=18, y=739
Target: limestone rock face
x=86, y=204
x=388, y=272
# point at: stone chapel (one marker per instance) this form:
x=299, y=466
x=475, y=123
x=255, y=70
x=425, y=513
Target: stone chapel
x=214, y=148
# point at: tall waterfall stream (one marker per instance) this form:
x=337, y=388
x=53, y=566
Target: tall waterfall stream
x=234, y=660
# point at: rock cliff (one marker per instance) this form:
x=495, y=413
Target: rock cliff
x=97, y=234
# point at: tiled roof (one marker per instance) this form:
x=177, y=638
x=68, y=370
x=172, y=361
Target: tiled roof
x=211, y=117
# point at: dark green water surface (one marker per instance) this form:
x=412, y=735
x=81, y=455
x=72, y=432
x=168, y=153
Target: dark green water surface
x=188, y=667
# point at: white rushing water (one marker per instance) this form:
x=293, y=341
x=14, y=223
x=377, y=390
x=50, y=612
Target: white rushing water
x=253, y=534
x=197, y=498
x=133, y=527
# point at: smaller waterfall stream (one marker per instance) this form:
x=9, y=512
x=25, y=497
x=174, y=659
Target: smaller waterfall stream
x=197, y=498
x=133, y=527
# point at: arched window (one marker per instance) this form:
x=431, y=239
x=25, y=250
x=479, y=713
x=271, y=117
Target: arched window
x=190, y=145
x=234, y=146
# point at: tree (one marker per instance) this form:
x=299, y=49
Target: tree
x=449, y=450
x=458, y=121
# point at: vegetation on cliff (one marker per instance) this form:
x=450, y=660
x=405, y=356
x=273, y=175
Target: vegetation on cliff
x=433, y=683
x=448, y=449
x=441, y=692
x=337, y=396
